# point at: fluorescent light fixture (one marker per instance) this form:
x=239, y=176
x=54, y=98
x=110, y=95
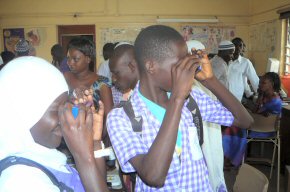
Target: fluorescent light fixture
x=187, y=20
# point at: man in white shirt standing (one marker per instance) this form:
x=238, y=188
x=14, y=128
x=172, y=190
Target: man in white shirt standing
x=233, y=70
x=220, y=62
x=240, y=70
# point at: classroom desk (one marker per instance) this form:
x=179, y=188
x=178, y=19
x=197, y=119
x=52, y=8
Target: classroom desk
x=285, y=137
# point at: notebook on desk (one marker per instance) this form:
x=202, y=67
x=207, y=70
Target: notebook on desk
x=286, y=99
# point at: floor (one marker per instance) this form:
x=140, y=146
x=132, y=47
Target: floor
x=230, y=175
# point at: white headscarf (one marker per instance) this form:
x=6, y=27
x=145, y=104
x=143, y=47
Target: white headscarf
x=212, y=146
x=28, y=86
x=194, y=44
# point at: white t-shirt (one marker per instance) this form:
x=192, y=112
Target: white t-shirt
x=234, y=75
x=212, y=147
x=104, y=70
x=239, y=71
x=25, y=178
x=220, y=70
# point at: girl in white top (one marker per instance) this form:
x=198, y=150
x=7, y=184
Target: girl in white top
x=33, y=121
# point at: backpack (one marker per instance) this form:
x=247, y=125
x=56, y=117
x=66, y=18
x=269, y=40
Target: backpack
x=13, y=160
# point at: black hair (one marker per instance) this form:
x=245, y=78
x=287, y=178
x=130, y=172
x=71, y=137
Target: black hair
x=108, y=50
x=83, y=45
x=120, y=50
x=155, y=43
x=115, y=44
x=7, y=56
x=57, y=51
x=237, y=41
x=274, y=77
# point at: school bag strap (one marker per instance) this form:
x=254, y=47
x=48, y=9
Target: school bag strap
x=136, y=122
x=13, y=160
x=192, y=106
x=196, y=117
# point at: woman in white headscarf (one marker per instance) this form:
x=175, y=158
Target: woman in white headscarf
x=212, y=146
x=32, y=93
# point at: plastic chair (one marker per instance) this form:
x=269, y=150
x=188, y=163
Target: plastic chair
x=250, y=179
x=269, y=124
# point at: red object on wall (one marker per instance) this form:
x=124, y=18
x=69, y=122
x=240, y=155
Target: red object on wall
x=286, y=83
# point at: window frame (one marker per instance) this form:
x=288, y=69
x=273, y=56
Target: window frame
x=287, y=43
x=286, y=52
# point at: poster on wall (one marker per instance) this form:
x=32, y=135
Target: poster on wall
x=33, y=36
x=11, y=37
x=113, y=35
x=263, y=37
x=210, y=36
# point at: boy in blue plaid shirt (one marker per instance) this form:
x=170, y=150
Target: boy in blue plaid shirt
x=167, y=155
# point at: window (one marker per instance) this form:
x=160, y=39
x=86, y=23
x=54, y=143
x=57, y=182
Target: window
x=287, y=48
x=285, y=14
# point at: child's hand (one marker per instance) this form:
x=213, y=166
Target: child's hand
x=98, y=117
x=206, y=69
x=83, y=95
x=183, y=74
x=78, y=133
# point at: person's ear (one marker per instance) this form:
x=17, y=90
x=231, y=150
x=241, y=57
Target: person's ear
x=150, y=66
x=88, y=59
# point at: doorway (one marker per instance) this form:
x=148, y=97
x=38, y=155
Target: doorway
x=68, y=32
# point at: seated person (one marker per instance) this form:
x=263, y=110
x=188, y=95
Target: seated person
x=269, y=100
x=33, y=124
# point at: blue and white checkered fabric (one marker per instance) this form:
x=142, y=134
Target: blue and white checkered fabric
x=189, y=173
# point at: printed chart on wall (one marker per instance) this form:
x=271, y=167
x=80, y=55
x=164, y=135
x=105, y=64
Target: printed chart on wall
x=263, y=37
x=113, y=35
x=11, y=37
x=210, y=36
